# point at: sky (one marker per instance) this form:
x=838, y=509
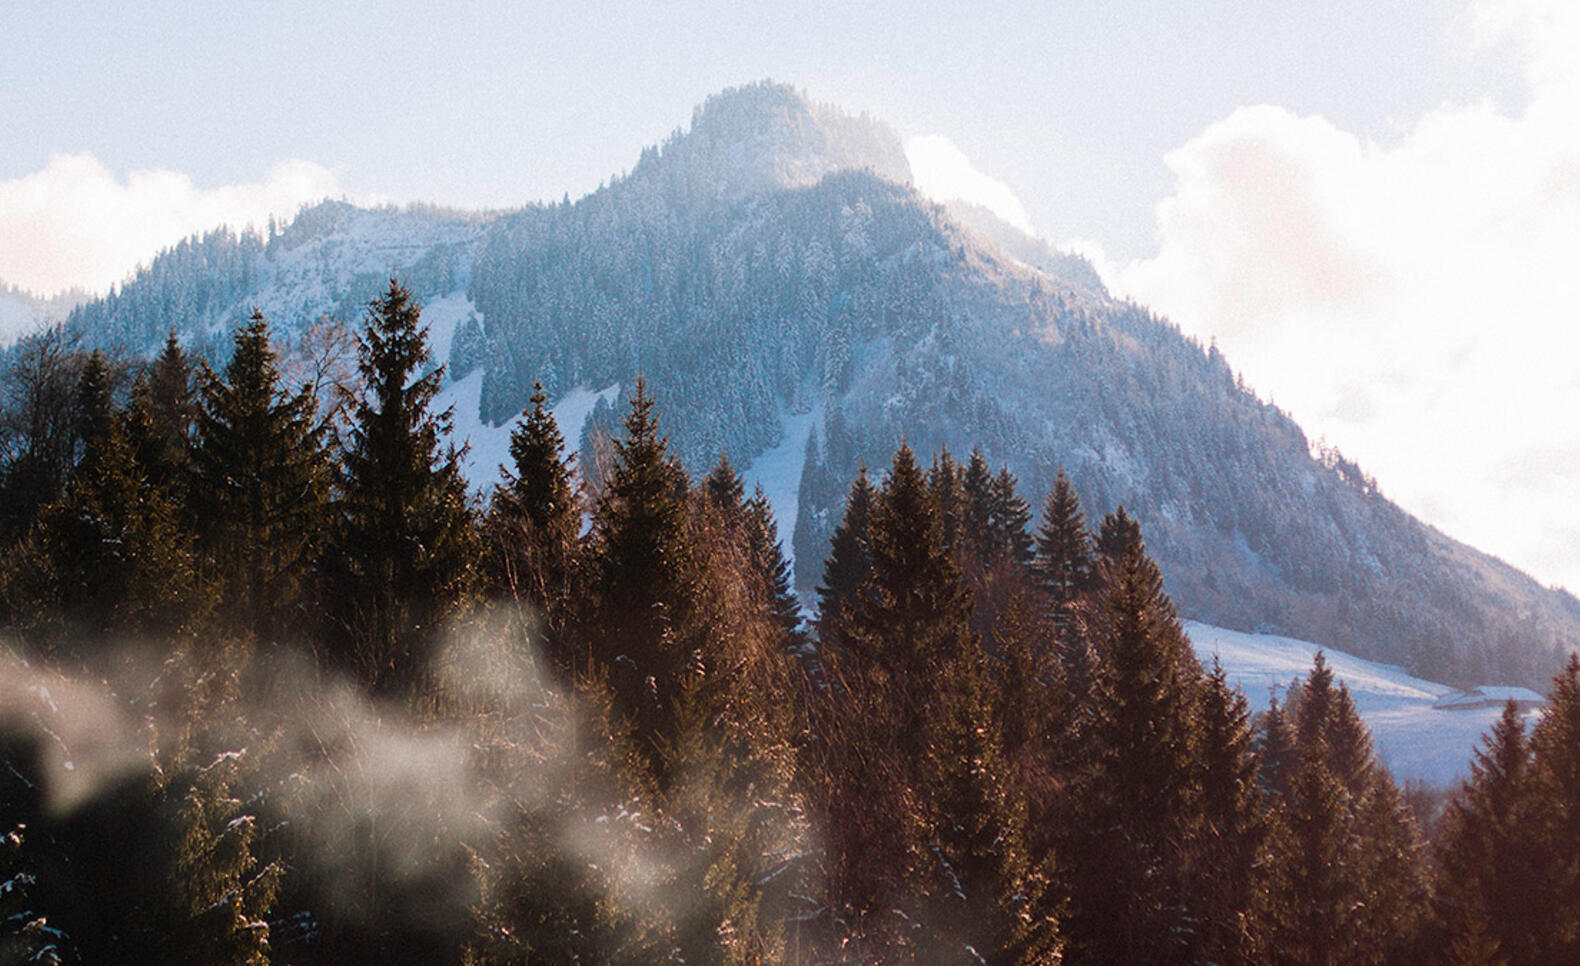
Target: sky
x=1372, y=206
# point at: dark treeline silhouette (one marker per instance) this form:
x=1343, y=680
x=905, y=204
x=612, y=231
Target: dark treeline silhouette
x=283, y=691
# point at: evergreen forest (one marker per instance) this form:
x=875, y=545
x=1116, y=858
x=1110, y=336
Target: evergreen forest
x=279, y=687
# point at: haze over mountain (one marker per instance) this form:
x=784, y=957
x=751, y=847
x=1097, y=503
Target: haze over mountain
x=22, y=311
x=770, y=267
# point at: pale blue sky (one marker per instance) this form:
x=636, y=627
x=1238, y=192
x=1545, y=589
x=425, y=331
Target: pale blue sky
x=1073, y=104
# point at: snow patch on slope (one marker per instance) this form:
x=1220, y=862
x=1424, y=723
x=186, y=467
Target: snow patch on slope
x=443, y=316
x=1414, y=740
x=574, y=407
x=778, y=472
x=490, y=445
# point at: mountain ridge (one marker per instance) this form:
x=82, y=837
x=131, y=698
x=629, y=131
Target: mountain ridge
x=774, y=260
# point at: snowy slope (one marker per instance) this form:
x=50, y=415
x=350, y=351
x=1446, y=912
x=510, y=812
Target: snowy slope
x=490, y=445
x=1416, y=741
x=778, y=472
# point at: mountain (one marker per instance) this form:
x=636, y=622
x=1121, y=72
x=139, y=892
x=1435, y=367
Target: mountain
x=22, y=312
x=776, y=279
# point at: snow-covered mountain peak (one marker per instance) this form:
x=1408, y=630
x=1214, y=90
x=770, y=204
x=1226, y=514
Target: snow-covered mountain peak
x=764, y=136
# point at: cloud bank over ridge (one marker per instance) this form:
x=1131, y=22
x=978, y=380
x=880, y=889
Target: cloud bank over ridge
x=1413, y=301
x=76, y=224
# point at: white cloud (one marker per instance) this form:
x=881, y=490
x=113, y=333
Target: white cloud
x=76, y=224
x=942, y=172
x=1416, y=302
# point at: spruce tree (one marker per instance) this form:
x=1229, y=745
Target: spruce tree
x=116, y=559
x=1063, y=562
x=534, y=525
x=166, y=391
x=1115, y=535
x=259, y=488
x=1009, y=521
x=1139, y=799
x=977, y=483
x=1316, y=890
x=724, y=486
x=1228, y=857
x=762, y=535
x=731, y=756
x=1276, y=742
x=946, y=485
x=642, y=568
x=1039, y=717
x=990, y=895
x=914, y=619
x=1349, y=884
x=909, y=623
x=223, y=894
x=1555, y=781
x=405, y=546
x=849, y=563
x=95, y=406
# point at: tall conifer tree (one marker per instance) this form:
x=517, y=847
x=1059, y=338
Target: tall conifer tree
x=534, y=524
x=95, y=409
x=1063, y=562
x=117, y=558
x=1228, y=855
x=762, y=534
x=1009, y=521
x=643, y=568
x=1555, y=779
x=259, y=488
x=849, y=563
x=406, y=547
x=1139, y=799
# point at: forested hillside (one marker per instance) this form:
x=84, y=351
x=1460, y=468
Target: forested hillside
x=771, y=261
x=277, y=689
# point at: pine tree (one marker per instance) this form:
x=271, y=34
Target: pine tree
x=1228, y=854
x=642, y=567
x=95, y=411
x=1063, y=562
x=406, y=546
x=1316, y=892
x=1009, y=522
x=116, y=558
x=849, y=563
x=990, y=895
x=1555, y=780
x=167, y=392
x=762, y=535
x=1487, y=847
x=534, y=525
x=1139, y=806
x=259, y=488
x=1115, y=535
